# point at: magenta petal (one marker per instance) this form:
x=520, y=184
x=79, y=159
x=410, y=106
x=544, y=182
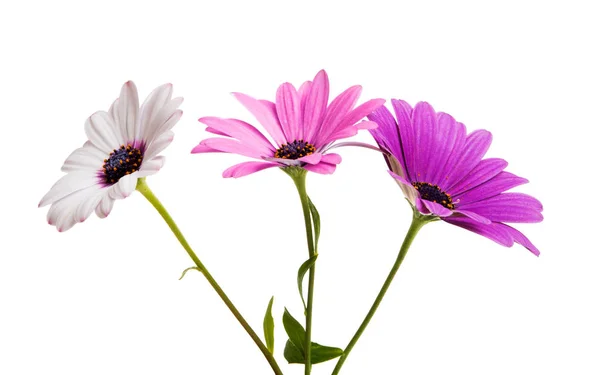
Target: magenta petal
x=520, y=238
x=500, y=183
x=315, y=106
x=322, y=168
x=387, y=133
x=508, y=207
x=287, y=105
x=246, y=168
x=494, y=231
x=215, y=131
x=436, y=209
x=483, y=171
x=474, y=216
x=405, y=127
x=264, y=115
x=424, y=127
x=447, y=135
x=476, y=145
x=312, y=158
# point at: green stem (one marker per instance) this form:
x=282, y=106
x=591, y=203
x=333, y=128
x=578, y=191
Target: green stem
x=143, y=188
x=299, y=176
x=417, y=223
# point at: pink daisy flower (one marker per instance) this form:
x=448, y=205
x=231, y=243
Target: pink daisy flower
x=441, y=170
x=301, y=126
x=124, y=145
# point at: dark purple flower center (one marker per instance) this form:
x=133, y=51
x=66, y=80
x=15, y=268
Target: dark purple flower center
x=433, y=193
x=122, y=161
x=295, y=150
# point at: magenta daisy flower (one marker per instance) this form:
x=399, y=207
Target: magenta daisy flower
x=124, y=145
x=301, y=125
x=441, y=171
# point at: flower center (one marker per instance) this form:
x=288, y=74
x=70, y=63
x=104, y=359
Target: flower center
x=122, y=161
x=295, y=150
x=433, y=193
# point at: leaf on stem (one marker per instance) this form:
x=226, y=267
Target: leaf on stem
x=189, y=268
x=294, y=347
x=316, y=219
x=269, y=327
x=301, y=272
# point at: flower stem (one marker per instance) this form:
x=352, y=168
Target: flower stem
x=143, y=188
x=299, y=176
x=417, y=223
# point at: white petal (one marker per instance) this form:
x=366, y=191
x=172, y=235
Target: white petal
x=164, y=120
x=151, y=166
x=68, y=184
x=124, y=187
x=101, y=131
x=66, y=212
x=105, y=206
x=86, y=158
x=159, y=144
x=157, y=99
x=127, y=112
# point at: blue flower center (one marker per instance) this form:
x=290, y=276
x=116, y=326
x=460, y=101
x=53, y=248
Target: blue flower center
x=295, y=150
x=122, y=161
x=433, y=193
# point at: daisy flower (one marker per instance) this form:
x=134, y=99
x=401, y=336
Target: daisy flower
x=301, y=125
x=441, y=171
x=123, y=146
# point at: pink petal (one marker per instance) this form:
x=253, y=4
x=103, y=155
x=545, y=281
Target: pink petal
x=315, y=107
x=229, y=145
x=246, y=168
x=312, y=158
x=264, y=115
x=322, y=168
x=288, y=110
x=337, y=110
x=242, y=131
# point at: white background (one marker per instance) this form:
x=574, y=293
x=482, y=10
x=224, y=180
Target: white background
x=104, y=297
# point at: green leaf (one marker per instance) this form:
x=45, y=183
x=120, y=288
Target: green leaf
x=292, y=354
x=294, y=330
x=294, y=347
x=269, y=327
x=318, y=353
x=301, y=272
x=316, y=218
x=189, y=268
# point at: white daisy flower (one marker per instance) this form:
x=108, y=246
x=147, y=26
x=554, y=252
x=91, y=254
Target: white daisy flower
x=123, y=145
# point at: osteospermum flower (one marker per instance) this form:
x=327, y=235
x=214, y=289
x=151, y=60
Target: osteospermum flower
x=123, y=146
x=441, y=171
x=301, y=125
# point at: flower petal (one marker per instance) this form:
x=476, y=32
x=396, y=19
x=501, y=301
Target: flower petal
x=230, y=146
x=346, y=127
x=494, y=231
x=509, y=208
x=404, y=113
x=476, y=145
x=436, y=209
x=158, y=145
x=105, y=206
x=483, y=171
x=314, y=158
x=448, y=134
x=337, y=110
x=264, y=115
x=101, y=131
x=246, y=168
x=500, y=183
x=474, y=216
x=69, y=184
x=322, y=168
x=521, y=239
x=315, y=107
x=424, y=128
x=127, y=109
x=124, y=187
x=86, y=158
x=242, y=131
x=409, y=191
x=287, y=105
x=150, y=167
x=66, y=212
